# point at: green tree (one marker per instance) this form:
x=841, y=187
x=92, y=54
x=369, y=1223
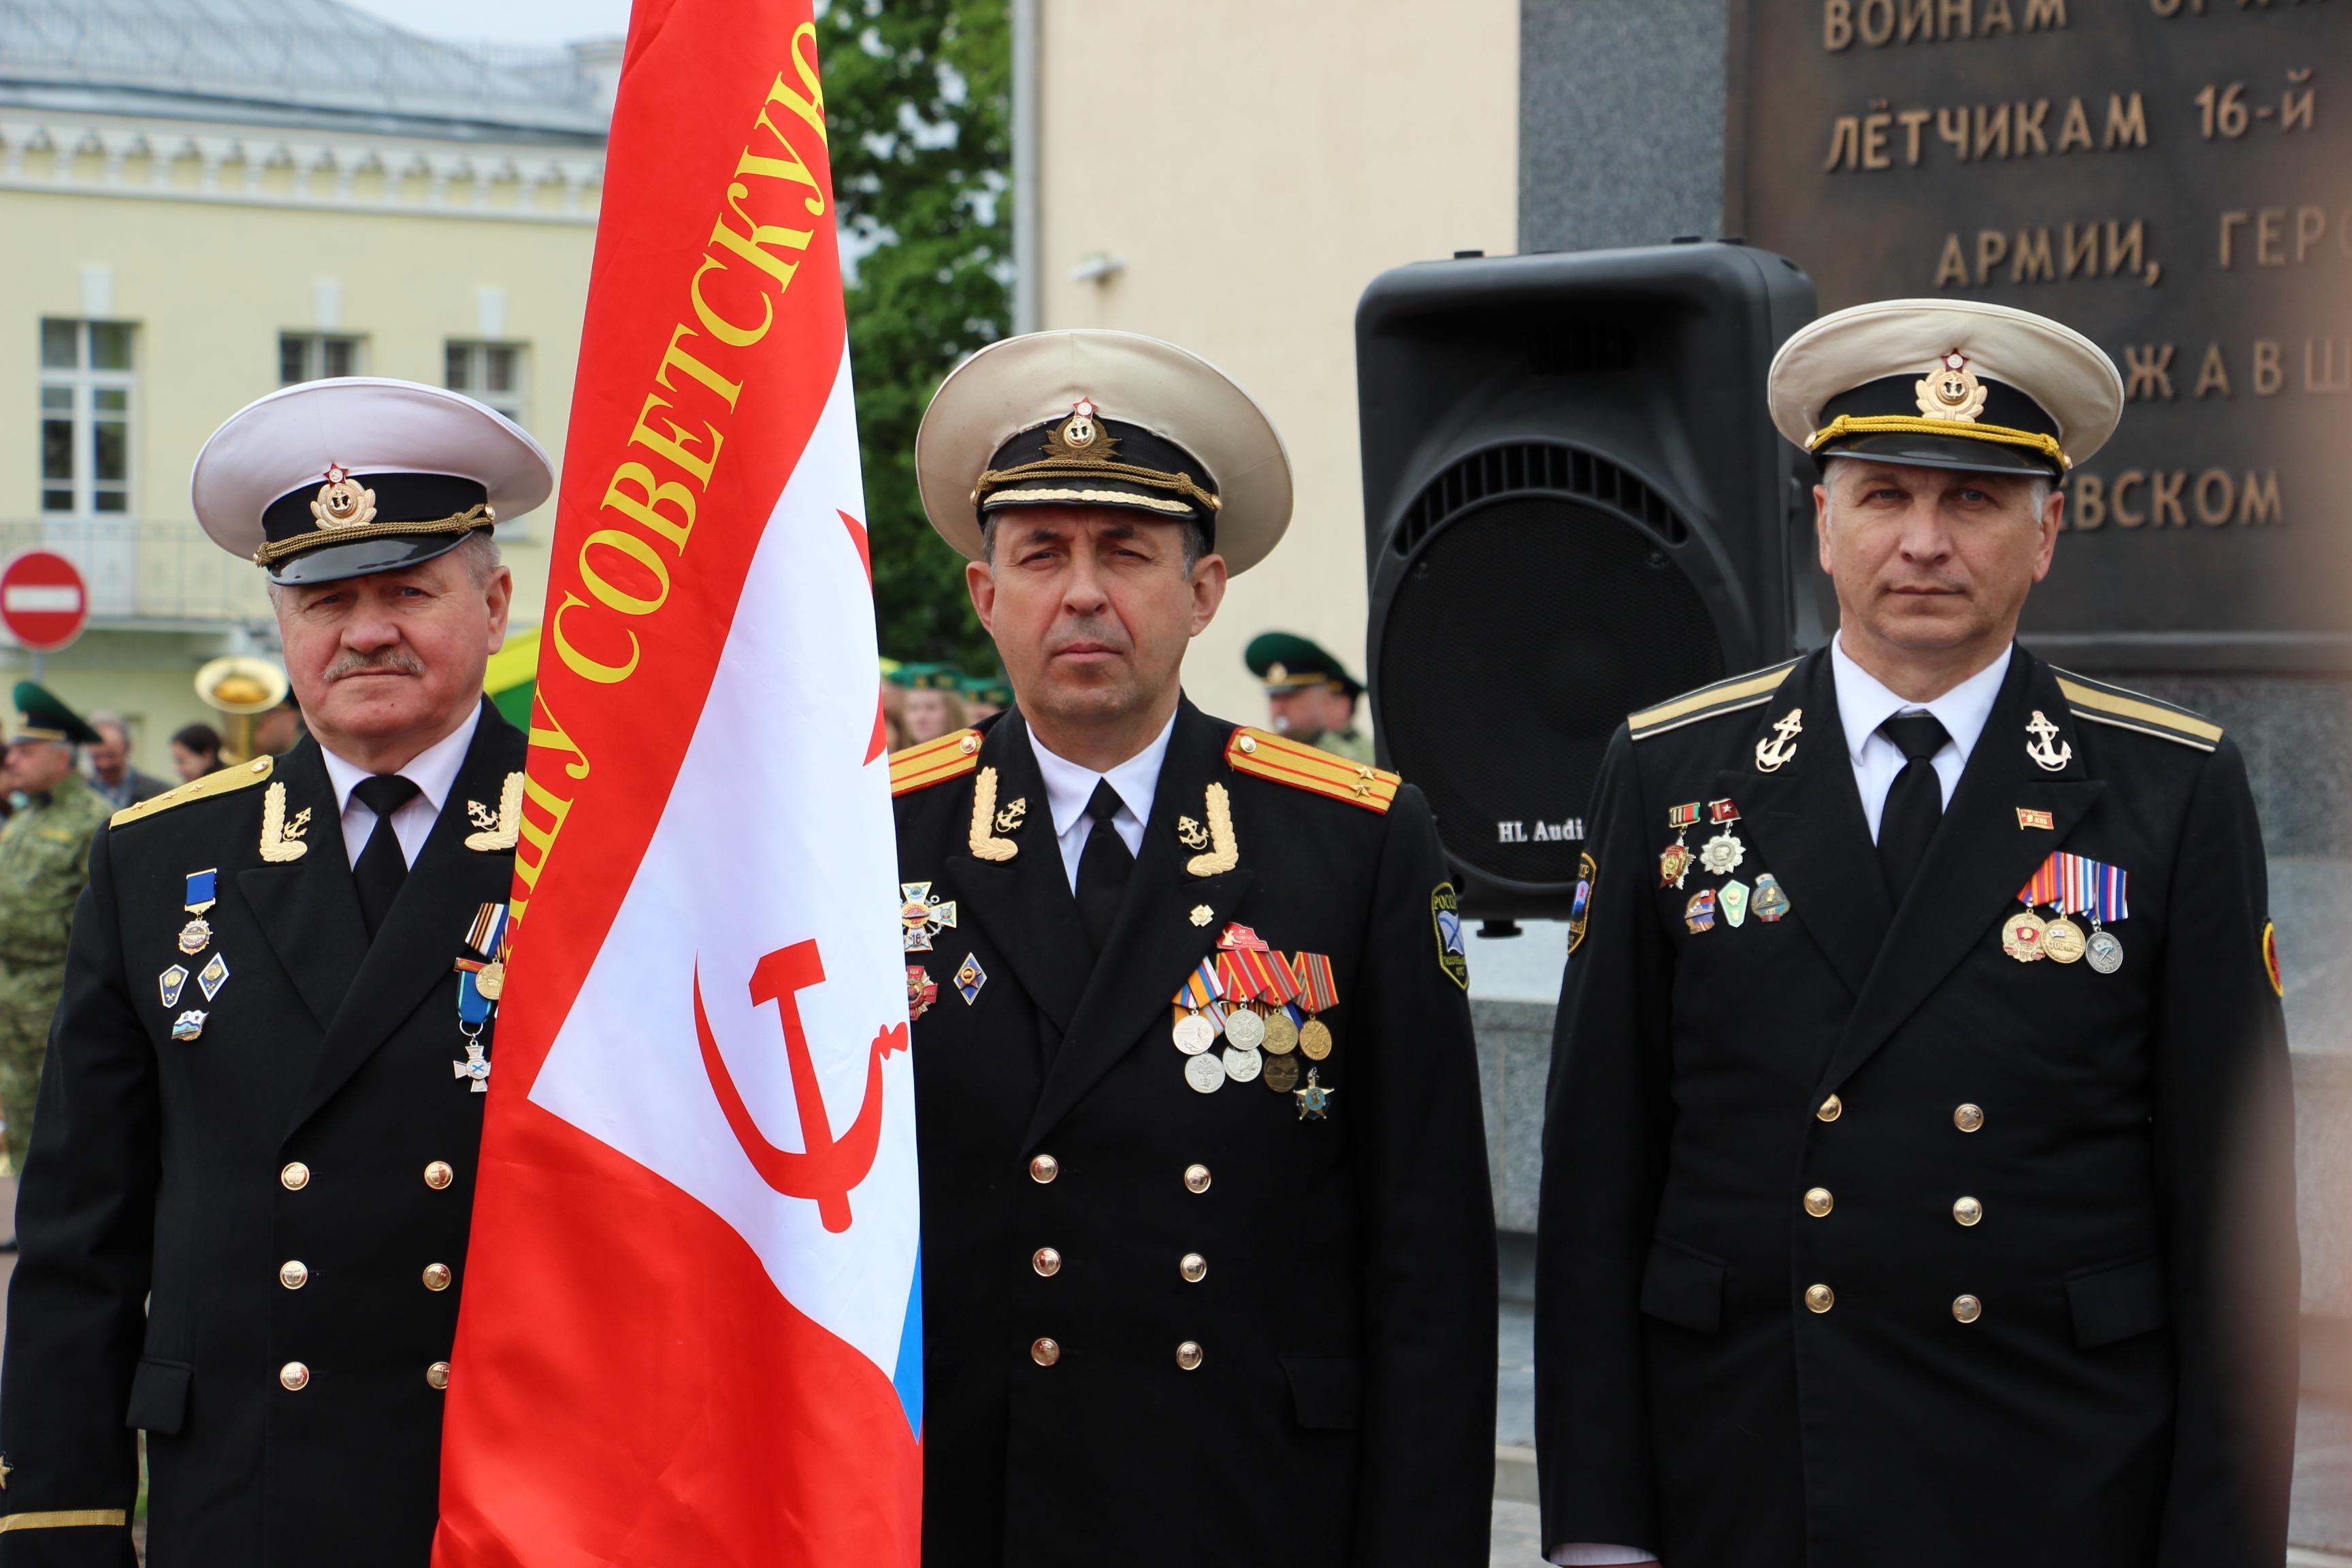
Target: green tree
x=918, y=97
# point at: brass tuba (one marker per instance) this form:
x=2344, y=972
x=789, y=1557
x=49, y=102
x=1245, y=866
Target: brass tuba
x=237, y=687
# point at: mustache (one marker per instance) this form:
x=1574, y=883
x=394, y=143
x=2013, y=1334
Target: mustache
x=399, y=661
x=1109, y=633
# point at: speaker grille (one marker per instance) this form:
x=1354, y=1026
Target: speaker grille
x=1541, y=608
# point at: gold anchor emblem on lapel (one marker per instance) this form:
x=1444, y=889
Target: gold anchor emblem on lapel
x=1774, y=753
x=1010, y=818
x=985, y=845
x=500, y=829
x=2049, y=758
x=1192, y=835
x=1226, y=853
x=281, y=841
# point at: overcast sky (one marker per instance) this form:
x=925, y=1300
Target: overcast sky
x=504, y=21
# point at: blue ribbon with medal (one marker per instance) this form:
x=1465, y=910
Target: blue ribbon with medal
x=480, y=982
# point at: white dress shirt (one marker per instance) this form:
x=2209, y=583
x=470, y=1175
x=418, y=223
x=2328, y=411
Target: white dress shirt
x=1864, y=705
x=1068, y=787
x=433, y=772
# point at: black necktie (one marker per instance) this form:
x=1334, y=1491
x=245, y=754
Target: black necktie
x=1103, y=867
x=381, y=868
x=1915, y=804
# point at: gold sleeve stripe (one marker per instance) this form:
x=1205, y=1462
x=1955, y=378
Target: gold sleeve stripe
x=241, y=776
x=67, y=1518
x=1723, y=697
x=1264, y=755
x=2128, y=711
x=934, y=761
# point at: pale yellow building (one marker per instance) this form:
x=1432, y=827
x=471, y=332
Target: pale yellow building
x=202, y=200
x=1230, y=175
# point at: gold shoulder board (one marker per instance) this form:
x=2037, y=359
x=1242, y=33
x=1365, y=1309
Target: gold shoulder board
x=1750, y=690
x=1266, y=755
x=242, y=776
x=934, y=761
x=2103, y=704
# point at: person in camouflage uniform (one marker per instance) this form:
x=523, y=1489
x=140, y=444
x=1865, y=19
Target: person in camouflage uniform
x=43, y=860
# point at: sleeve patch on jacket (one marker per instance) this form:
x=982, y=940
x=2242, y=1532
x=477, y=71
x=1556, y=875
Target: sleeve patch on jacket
x=1587, y=870
x=1446, y=916
x=2269, y=958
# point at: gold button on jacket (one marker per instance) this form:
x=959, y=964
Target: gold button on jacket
x=294, y=1176
x=293, y=1274
x=1818, y=1202
x=1045, y=1352
x=1967, y=1211
x=1966, y=1309
x=438, y=1176
x=1830, y=1108
x=1193, y=1268
x=1196, y=1178
x=1044, y=1169
x=293, y=1377
x=1046, y=1261
x=1187, y=1355
x=437, y=1376
x=1819, y=1298
x=1968, y=1118
x=436, y=1277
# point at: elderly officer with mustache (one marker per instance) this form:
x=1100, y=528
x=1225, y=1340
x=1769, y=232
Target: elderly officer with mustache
x=244, y=1214
x=1917, y=1179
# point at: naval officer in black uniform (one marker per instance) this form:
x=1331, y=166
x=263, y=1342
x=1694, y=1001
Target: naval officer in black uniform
x=1917, y=1178
x=1209, y=1253
x=244, y=1214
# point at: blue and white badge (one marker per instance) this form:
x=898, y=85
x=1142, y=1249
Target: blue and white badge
x=171, y=982
x=213, y=976
x=188, y=1025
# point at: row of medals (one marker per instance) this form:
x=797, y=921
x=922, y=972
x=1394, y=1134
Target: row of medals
x=2028, y=938
x=1251, y=1037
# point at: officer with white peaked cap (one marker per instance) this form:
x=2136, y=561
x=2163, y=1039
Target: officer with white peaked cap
x=244, y=1214
x=1919, y=1155
x=1205, y=1205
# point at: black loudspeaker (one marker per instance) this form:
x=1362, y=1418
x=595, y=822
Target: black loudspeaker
x=1575, y=505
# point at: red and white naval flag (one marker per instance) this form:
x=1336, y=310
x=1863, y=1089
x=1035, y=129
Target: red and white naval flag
x=691, y=1330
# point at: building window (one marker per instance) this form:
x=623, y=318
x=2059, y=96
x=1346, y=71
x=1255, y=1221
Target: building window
x=86, y=397
x=310, y=356
x=490, y=373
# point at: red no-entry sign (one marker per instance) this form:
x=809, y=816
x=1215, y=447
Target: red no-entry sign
x=42, y=600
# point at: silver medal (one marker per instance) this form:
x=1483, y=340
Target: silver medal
x=2106, y=953
x=1242, y=1067
x=1244, y=1028
x=1204, y=1073
x=1194, y=1034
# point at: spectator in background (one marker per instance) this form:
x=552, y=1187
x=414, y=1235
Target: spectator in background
x=278, y=731
x=110, y=772
x=933, y=706
x=1311, y=694
x=196, y=751
x=894, y=705
x=44, y=861
x=984, y=697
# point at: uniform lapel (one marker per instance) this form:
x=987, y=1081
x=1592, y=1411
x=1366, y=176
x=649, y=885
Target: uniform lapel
x=422, y=934
x=1154, y=943
x=308, y=908
x=1980, y=859
x=1025, y=904
x=1806, y=815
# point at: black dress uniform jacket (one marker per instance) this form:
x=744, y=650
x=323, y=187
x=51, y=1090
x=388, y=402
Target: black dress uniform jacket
x=297, y=1128
x=2122, y=1390
x=1342, y=1410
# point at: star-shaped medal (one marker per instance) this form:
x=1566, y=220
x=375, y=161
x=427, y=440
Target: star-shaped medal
x=1314, y=1098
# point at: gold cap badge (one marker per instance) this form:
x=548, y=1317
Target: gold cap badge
x=343, y=502
x=1951, y=389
